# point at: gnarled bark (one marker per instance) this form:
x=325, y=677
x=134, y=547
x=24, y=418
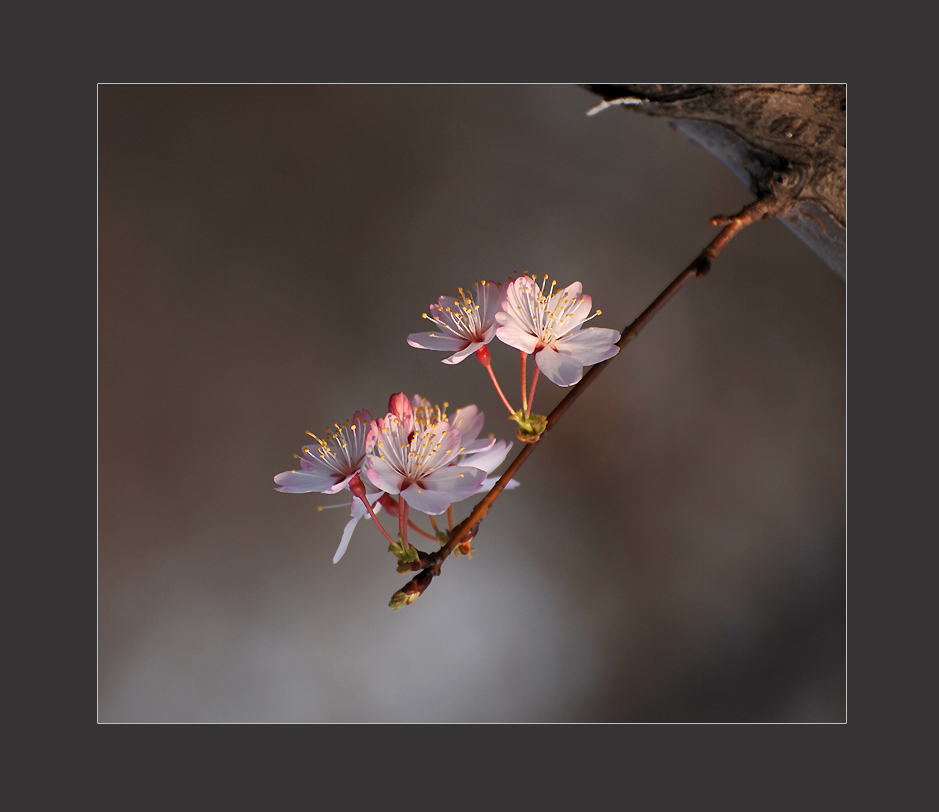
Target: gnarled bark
x=780, y=140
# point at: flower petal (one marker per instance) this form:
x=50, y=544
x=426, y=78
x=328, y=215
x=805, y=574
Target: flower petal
x=488, y=482
x=346, y=536
x=488, y=461
x=343, y=483
x=513, y=333
x=400, y=407
x=358, y=513
x=436, y=341
x=558, y=367
x=457, y=481
x=477, y=446
x=520, y=295
x=383, y=476
x=590, y=346
x=468, y=350
x=489, y=296
x=577, y=308
x=469, y=422
x=430, y=502
x=307, y=482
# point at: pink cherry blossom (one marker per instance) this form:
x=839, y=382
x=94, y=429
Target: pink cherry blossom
x=548, y=325
x=466, y=323
x=486, y=454
x=414, y=452
x=329, y=466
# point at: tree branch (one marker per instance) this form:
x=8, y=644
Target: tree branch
x=460, y=537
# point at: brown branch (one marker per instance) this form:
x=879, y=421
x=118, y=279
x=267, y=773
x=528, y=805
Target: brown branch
x=429, y=563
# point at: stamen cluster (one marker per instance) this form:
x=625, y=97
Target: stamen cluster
x=465, y=323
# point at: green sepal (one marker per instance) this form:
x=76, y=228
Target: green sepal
x=530, y=428
x=405, y=556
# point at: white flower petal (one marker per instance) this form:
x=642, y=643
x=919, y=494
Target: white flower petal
x=430, y=502
x=343, y=483
x=515, y=335
x=469, y=422
x=457, y=481
x=488, y=461
x=488, y=482
x=559, y=367
x=573, y=290
x=489, y=296
x=358, y=513
x=478, y=446
x=463, y=354
x=436, y=341
x=346, y=536
x=305, y=482
x=383, y=476
x=577, y=313
x=520, y=294
x=590, y=346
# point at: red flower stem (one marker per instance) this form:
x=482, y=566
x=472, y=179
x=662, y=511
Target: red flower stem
x=433, y=523
x=403, y=519
x=524, y=376
x=534, y=380
x=424, y=533
x=484, y=360
x=450, y=517
x=378, y=524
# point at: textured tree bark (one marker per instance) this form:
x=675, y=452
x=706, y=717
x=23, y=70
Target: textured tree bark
x=786, y=141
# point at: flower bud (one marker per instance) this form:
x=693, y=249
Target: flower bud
x=389, y=504
x=357, y=487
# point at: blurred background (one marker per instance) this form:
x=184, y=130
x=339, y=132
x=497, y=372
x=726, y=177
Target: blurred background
x=676, y=551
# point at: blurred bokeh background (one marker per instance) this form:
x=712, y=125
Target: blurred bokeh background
x=676, y=551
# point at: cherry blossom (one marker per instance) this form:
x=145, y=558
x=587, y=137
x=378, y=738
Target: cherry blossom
x=327, y=466
x=330, y=465
x=486, y=454
x=466, y=323
x=548, y=325
x=415, y=452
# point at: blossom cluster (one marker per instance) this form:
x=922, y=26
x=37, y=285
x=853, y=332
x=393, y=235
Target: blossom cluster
x=415, y=452
x=419, y=457
x=522, y=314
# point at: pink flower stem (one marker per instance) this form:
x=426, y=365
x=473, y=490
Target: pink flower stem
x=524, y=376
x=403, y=519
x=534, y=380
x=424, y=533
x=371, y=513
x=482, y=355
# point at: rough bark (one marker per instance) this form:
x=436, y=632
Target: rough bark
x=780, y=140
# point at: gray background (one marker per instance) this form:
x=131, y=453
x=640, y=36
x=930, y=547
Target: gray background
x=676, y=551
